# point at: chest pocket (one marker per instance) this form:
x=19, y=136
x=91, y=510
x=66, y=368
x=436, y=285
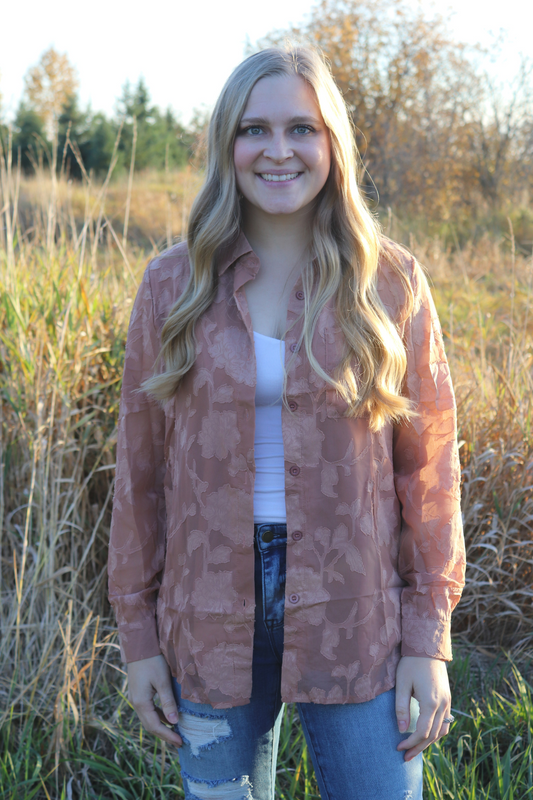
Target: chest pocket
x=336, y=405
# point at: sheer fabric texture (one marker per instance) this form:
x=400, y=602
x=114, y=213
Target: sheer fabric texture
x=375, y=552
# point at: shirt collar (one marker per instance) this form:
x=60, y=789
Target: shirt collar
x=233, y=251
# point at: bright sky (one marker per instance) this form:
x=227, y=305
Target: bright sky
x=185, y=50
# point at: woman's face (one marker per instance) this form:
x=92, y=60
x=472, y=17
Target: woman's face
x=282, y=149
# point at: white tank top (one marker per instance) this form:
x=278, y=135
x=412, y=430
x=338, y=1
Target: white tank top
x=269, y=489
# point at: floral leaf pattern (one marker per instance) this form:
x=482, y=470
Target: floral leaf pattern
x=375, y=554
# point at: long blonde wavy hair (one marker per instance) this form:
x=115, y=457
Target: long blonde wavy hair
x=345, y=245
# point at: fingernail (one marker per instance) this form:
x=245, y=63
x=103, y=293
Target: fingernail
x=402, y=726
x=172, y=717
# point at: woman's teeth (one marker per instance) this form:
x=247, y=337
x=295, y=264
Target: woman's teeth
x=267, y=177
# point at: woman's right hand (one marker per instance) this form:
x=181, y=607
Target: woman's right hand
x=147, y=678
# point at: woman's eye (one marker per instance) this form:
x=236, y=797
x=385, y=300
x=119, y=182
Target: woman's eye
x=303, y=129
x=253, y=130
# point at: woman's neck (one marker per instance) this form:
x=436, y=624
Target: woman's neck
x=277, y=239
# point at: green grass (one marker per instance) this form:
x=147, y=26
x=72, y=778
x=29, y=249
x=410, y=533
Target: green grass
x=487, y=755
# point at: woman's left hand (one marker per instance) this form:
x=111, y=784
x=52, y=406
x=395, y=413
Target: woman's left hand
x=427, y=680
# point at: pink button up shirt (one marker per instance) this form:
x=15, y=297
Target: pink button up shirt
x=375, y=552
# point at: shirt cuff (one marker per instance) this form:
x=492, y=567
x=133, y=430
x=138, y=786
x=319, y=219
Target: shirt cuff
x=425, y=636
x=139, y=641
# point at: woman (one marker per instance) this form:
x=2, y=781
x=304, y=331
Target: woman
x=286, y=523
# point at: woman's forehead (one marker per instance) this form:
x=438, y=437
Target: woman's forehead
x=280, y=96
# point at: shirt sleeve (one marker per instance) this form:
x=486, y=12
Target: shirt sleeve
x=427, y=477
x=138, y=525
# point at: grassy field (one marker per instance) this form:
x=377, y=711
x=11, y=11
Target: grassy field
x=71, y=257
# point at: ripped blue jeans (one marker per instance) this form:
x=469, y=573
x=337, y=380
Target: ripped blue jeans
x=230, y=754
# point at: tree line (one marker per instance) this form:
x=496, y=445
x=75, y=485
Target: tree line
x=50, y=125
x=438, y=136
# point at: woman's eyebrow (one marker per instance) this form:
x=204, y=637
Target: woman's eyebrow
x=291, y=121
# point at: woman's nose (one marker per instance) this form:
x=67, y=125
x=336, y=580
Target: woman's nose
x=278, y=149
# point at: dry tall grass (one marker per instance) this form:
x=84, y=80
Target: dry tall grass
x=66, y=288
x=484, y=298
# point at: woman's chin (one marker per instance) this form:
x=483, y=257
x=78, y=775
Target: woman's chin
x=282, y=208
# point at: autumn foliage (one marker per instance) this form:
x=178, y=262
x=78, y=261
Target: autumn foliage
x=437, y=136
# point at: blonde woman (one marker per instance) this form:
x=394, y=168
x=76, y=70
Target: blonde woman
x=286, y=523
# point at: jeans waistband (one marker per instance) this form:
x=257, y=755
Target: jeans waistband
x=269, y=534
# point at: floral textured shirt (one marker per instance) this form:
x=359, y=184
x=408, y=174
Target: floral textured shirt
x=375, y=553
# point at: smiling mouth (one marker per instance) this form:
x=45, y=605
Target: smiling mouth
x=267, y=176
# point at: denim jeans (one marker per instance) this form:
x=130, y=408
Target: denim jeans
x=230, y=754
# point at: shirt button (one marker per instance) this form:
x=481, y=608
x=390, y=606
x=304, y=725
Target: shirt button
x=293, y=405
x=294, y=598
x=299, y=295
x=294, y=471
x=295, y=347
x=297, y=535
